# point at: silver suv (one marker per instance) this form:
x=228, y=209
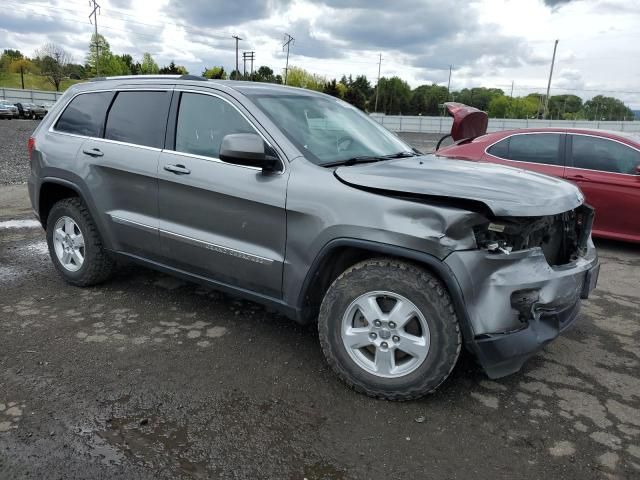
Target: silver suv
x=300, y=201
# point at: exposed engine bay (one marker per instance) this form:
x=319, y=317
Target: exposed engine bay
x=562, y=237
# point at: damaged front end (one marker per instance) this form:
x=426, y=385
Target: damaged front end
x=523, y=284
x=562, y=237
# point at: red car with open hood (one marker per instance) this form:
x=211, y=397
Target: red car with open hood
x=604, y=164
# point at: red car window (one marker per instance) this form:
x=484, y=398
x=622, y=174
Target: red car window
x=604, y=155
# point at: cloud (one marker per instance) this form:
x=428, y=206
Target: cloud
x=223, y=13
x=557, y=3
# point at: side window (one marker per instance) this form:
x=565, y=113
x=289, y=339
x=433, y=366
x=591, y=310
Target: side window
x=138, y=117
x=85, y=114
x=500, y=149
x=203, y=121
x=536, y=148
x=604, y=155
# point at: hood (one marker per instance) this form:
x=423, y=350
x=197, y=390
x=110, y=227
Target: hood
x=506, y=191
x=468, y=122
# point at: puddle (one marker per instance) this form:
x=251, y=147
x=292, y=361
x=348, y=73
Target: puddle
x=146, y=438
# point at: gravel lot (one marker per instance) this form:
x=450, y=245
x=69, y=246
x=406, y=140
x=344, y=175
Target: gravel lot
x=14, y=161
x=150, y=377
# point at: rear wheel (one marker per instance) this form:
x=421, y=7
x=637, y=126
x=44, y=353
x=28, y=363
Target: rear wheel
x=389, y=330
x=75, y=245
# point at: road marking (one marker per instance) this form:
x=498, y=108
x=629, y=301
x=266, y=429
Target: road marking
x=20, y=224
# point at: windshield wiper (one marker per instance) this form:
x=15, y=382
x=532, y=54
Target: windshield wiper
x=368, y=159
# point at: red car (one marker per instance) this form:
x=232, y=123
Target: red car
x=605, y=165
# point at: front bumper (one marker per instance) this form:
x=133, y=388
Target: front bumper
x=516, y=303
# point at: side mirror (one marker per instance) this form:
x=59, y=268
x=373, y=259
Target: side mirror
x=638, y=170
x=247, y=149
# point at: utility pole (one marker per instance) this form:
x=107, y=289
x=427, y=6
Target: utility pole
x=237, y=69
x=375, y=109
x=244, y=61
x=553, y=60
x=449, y=82
x=248, y=56
x=288, y=41
x=511, y=89
x=96, y=10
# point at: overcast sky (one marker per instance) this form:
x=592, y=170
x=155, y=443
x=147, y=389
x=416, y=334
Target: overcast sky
x=489, y=42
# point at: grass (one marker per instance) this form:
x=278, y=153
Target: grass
x=32, y=82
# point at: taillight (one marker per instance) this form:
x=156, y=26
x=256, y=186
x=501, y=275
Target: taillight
x=31, y=144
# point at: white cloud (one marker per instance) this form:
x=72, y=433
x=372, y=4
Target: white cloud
x=490, y=42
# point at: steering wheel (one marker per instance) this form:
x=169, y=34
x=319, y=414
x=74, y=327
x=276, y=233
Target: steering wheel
x=344, y=143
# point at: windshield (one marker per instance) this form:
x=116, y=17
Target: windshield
x=328, y=130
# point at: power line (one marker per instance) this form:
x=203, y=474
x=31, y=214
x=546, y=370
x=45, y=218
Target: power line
x=288, y=41
x=96, y=10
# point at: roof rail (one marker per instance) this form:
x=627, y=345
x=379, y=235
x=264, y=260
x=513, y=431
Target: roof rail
x=149, y=77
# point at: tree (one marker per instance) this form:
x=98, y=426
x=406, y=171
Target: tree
x=53, y=60
x=606, y=108
x=264, y=74
x=173, y=69
x=215, y=73
x=22, y=66
x=393, y=96
x=358, y=91
x=299, y=77
x=426, y=99
x=148, y=66
x=479, y=97
x=331, y=88
x=8, y=57
x=499, y=106
x=127, y=62
x=564, y=106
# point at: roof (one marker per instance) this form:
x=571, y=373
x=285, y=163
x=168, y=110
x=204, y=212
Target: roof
x=630, y=136
x=244, y=87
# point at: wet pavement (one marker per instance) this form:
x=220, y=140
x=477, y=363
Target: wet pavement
x=148, y=376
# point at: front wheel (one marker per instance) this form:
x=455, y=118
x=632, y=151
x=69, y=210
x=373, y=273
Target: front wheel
x=75, y=245
x=389, y=330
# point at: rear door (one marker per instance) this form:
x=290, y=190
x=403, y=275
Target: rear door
x=606, y=171
x=223, y=221
x=124, y=168
x=538, y=151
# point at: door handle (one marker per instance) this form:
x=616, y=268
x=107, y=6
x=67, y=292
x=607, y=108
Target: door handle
x=177, y=169
x=94, y=152
x=576, y=177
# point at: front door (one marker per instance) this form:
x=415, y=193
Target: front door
x=219, y=220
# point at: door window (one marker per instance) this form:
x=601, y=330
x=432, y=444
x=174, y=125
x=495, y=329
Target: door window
x=85, y=114
x=604, y=155
x=536, y=148
x=203, y=121
x=138, y=117
x=500, y=149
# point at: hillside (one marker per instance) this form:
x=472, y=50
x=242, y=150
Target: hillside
x=31, y=82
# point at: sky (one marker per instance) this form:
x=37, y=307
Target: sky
x=489, y=43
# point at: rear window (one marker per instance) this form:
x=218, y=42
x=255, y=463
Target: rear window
x=85, y=114
x=139, y=118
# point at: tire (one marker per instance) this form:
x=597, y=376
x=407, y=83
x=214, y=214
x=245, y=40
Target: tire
x=391, y=280
x=97, y=265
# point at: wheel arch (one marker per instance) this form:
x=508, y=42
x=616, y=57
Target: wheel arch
x=54, y=189
x=339, y=254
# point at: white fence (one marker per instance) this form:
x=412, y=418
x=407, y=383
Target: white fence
x=419, y=124
x=15, y=95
